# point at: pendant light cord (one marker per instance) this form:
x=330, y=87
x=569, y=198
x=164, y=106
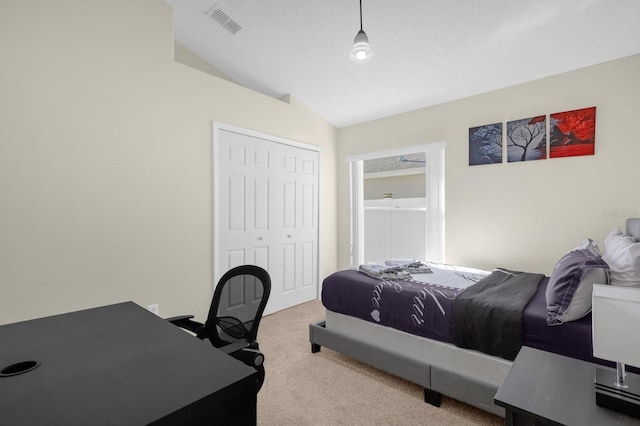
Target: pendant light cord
x=360, y=15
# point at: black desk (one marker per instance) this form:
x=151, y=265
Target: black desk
x=545, y=388
x=119, y=365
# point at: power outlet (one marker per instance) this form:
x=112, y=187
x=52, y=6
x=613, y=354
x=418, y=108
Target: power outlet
x=155, y=308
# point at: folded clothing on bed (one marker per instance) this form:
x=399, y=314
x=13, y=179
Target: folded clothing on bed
x=395, y=269
x=411, y=266
x=383, y=271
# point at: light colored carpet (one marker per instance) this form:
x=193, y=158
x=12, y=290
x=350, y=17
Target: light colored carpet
x=328, y=388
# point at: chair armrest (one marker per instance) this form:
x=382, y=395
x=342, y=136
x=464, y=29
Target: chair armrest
x=242, y=351
x=185, y=321
x=234, y=347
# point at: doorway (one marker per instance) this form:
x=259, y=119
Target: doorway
x=397, y=204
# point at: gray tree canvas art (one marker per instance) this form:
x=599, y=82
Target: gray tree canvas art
x=527, y=139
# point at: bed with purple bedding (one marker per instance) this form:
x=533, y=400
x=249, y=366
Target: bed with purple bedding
x=425, y=309
x=422, y=306
x=408, y=325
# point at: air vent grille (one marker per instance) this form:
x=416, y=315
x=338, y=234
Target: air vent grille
x=223, y=19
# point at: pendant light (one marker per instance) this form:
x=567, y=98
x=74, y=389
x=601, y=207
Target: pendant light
x=360, y=50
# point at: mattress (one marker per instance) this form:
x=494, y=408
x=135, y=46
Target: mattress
x=572, y=339
x=424, y=309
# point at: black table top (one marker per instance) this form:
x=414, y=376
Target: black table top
x=556, y=389
x=113, y=365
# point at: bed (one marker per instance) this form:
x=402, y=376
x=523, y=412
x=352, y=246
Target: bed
x=431, y=347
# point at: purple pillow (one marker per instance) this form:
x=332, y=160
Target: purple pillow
x=565, y=280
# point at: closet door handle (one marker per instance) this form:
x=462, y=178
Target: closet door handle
x=259, y=238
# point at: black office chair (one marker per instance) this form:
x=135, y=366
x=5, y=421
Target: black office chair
x=234, y=316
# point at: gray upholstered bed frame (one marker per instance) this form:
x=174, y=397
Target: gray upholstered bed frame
x=441, y=368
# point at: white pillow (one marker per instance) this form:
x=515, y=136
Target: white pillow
x=622, y=254
x=589, y=244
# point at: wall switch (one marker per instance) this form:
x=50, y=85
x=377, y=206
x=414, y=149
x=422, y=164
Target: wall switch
x=155, y=308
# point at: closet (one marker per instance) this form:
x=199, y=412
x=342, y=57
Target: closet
x=266, y=212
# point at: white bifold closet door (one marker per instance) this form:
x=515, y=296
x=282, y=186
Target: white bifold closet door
x=268, y=215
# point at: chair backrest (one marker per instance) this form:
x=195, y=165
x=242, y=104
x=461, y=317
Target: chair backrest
x=237, y=306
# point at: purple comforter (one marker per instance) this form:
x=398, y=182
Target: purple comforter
x=409, y=305
x=425, y=310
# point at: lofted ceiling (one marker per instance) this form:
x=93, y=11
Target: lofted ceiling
x=424, y=52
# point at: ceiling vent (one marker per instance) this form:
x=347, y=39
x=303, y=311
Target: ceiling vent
x=223, y=19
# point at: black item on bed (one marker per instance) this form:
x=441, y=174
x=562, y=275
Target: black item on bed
x=487, y=316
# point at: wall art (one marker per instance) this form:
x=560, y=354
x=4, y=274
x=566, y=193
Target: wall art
x=572, y=133
x=485, y=144
x=527, y=139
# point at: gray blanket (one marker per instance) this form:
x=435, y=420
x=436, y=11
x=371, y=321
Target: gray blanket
x=488, y=315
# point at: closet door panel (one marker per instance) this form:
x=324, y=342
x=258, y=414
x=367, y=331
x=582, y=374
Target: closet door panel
x=236, y=205
x=288, y=205
x=246, y=226
x=261, y=195
x=235, y=258
x=288, y=268
x=307, y=264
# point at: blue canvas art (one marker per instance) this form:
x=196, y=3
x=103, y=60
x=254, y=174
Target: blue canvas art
x=485, y=144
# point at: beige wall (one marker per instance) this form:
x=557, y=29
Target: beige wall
x=105, y=159
x=521, y=215
x=105, y=162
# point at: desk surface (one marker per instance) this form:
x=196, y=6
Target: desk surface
x=555, y=389
x=114, y=365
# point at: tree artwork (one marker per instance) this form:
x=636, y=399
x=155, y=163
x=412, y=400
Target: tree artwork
x=527, y=139
x=485, y=144
x=572, y=133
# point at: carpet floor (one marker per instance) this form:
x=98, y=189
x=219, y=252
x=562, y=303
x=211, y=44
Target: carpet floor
x=328, y=388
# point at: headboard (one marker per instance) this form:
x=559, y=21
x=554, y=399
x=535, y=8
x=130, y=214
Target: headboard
x=633, y=227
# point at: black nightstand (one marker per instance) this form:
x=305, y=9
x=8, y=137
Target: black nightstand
x=544, y=388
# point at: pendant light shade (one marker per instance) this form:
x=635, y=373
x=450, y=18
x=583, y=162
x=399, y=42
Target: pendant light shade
x=360, y=51
x=361, y=46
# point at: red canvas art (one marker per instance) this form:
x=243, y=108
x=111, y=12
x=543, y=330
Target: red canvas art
x=572, y=133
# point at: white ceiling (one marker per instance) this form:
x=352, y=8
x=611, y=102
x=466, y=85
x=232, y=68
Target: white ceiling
x=424, y=52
